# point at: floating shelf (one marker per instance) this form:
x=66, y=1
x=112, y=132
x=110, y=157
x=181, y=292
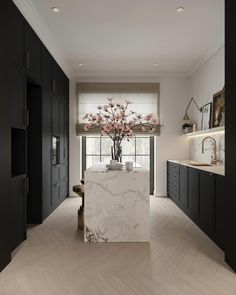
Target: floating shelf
x=207, y=131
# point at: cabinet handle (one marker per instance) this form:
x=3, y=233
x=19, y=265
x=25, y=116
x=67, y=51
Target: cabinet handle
x=27, y=185
x=27, y=59
x=64, y=153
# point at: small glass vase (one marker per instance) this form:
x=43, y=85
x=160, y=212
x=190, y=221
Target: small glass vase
x=116, y=153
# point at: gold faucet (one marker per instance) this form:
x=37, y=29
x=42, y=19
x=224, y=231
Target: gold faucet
x=214, y=160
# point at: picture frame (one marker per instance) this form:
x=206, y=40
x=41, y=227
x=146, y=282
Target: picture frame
x=206, y=116
x=218, y=109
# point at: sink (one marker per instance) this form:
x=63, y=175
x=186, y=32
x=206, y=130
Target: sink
x=196, y=163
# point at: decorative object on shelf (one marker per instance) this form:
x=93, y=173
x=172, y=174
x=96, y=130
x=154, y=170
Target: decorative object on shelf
x=118, y=122
x=186, y=116
x=206, y=116
x=218, y=108
x=195, y=127
x=187, y=127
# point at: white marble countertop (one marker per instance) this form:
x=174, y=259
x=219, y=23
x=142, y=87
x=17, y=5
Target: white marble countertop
x=216, y=169
x=101, y=167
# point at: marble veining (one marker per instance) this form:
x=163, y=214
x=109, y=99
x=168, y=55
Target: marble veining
x=116, y=206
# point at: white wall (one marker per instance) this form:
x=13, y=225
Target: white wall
x=170, y=145
x=207, y=80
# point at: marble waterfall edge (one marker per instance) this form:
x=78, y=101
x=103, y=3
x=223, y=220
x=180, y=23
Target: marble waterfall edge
x=117, y=207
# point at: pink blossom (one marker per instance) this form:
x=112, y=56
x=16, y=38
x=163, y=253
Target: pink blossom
x=86, y=127
x=142, y=128
x=148, y=117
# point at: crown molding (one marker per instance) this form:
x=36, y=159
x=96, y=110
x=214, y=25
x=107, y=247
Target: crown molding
x=203, y=60
x=28, y=10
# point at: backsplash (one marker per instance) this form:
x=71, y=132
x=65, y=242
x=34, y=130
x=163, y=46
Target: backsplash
x=195, y=146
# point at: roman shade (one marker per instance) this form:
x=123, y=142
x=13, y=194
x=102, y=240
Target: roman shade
x=144, y=98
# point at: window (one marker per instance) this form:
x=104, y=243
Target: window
x=139, y=149
x=144, y=98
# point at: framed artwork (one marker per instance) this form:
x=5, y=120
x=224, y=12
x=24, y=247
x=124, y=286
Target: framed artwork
x=206, y=116
x=218, y=118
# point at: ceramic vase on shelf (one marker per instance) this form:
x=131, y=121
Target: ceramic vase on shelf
x=116, y=153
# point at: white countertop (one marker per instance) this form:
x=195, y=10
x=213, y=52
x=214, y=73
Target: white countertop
x=216, y=169
x=101, y=167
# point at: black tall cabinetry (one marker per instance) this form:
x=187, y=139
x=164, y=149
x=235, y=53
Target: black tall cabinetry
x=34, y=97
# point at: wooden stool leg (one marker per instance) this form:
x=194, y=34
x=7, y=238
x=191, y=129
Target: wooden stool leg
x=81, y=218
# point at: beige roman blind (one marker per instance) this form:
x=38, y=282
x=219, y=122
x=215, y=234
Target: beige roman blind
x=144, y=98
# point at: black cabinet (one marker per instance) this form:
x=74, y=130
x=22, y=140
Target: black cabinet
x=55, y=116
x=55, y=79
x=18, y=210
x=55, y=195
x=207, y=203
x=173, y=181
x=30, y=117
x=32, y=54
x=46, y=73
x=183, y=188
x=16, y=35
x=193, y=195
x=63, y=131
x=46, y=153
x=17, y=97
x=64, y=189
x=201, y=197
x=220, y=212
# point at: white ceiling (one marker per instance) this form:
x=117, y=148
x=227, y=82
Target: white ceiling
x=125, y=37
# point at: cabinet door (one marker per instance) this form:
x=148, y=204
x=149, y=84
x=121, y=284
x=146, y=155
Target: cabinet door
x=46, y=69
x=32, y=54
x=16, y=35
x=55, y=116
x=18, y=98
x=63, y=171
x=18, y=210
x=183, y=187
x=46, y=152
x=220, y=216
x=55, y=195
x=55, y=78
x=63, y=189
x=55, y=174
x=62, y=131
x=207, y=203
x=193, y=195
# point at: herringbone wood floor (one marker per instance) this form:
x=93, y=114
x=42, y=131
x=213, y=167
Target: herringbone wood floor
x=179, y=260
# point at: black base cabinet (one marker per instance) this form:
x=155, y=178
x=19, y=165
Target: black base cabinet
x=200, y=196
x=207, y=203
x=34, y=107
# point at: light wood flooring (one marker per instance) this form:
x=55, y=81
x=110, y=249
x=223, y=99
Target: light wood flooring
x=180, y=259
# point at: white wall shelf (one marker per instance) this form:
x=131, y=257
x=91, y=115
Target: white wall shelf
x=206, y=132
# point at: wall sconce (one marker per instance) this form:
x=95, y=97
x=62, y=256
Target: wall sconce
x=186, y=116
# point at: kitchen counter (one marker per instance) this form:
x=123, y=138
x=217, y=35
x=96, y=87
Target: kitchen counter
x=216, y=169
x=116, y=205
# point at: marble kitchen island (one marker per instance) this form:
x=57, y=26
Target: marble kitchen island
x=116, y=205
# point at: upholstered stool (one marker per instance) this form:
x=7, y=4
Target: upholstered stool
x=79, y=190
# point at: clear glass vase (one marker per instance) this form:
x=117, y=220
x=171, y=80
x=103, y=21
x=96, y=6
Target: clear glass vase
x=116, y=153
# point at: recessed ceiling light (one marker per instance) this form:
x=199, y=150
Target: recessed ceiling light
x=80, y=65
x=180, y=9
x=155, y=64
x=55, y=9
